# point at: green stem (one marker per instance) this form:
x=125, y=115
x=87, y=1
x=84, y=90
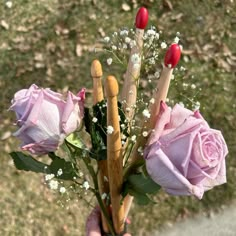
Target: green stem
x=97, y=195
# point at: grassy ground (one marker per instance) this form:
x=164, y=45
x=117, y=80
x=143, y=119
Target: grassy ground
x=38, y=41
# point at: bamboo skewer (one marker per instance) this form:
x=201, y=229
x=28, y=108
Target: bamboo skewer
x=96, y=72
x=114, y=155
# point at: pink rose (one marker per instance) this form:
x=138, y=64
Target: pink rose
x=45, y=119
x=185, y=156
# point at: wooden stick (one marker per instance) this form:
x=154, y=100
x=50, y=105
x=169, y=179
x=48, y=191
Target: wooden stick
x=171, y=59
x=103, y=184
x=129, y=91
x=114, y=155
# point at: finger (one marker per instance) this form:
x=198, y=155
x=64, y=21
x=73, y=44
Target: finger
x=93, y=223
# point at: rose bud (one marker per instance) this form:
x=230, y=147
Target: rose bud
x=141, y=18
x=185, y=156
x=172, y=55
x=45, y=118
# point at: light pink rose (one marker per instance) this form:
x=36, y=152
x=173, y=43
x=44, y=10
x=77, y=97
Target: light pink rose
x=185, y=156
x=45, y=119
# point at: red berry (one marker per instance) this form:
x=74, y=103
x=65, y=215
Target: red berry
x=141, y=18
x=172, y=55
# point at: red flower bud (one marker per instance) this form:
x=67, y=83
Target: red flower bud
x=141, y=18
x=172, y=55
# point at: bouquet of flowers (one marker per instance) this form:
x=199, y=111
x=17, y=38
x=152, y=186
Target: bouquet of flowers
x=130, y=147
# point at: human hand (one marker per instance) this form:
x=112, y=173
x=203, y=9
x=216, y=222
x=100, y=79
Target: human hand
x=93, y=223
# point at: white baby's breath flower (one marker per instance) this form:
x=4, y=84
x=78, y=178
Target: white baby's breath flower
x=157, y=74
x=104, y=196
x=94, y=120
x=182, y=68
x=145, y=133
x=81, y=174
x=133, y=138
x=135, y=58
x=53, y=184
x=113, y=47
x=62, y=190
x=9, y=4
x=146, y=113
x=124, y=32
x=124, y=46
x=122, y=126
x=109, y=61
x=132, y=43
x=152, y=101
x=196, y=106
x=176, y=39
x=151, y=61
x=163, y=45
x=86, y=185
x=59, y=172
x=127, y=40
x=49, y=177
x=140, y=149
x=151, y=32
x=110, y=129
x=107, y=39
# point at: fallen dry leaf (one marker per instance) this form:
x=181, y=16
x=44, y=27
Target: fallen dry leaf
x=125, y=7
x=78, y=50
x=4, y=25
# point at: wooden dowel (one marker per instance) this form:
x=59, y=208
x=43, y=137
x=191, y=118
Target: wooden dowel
x=103, y=184
x=129, y=91
x=114, y=155
x=161, y=94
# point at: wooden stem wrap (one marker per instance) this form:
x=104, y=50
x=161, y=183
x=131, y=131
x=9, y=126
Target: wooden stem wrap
x=114, y=155
x=129, y=91
x=103, y=184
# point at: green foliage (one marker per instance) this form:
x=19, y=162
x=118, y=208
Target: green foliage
x=28, y=163
x=140, y=186
x=97, y=130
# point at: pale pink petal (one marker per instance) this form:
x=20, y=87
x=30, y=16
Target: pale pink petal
x=163, y=172
x=162, y=119
x=71, y=117
x=178, y=115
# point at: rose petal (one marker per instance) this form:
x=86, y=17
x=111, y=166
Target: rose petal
x=163, y=172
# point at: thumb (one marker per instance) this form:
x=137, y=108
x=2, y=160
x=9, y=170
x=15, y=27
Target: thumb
x=93, y=223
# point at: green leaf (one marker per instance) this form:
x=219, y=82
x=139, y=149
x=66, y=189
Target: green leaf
x=97, y=130
x=28, y=163
x=142, y=184
x=141, y=198
x=69, y=170
x=75, y=141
